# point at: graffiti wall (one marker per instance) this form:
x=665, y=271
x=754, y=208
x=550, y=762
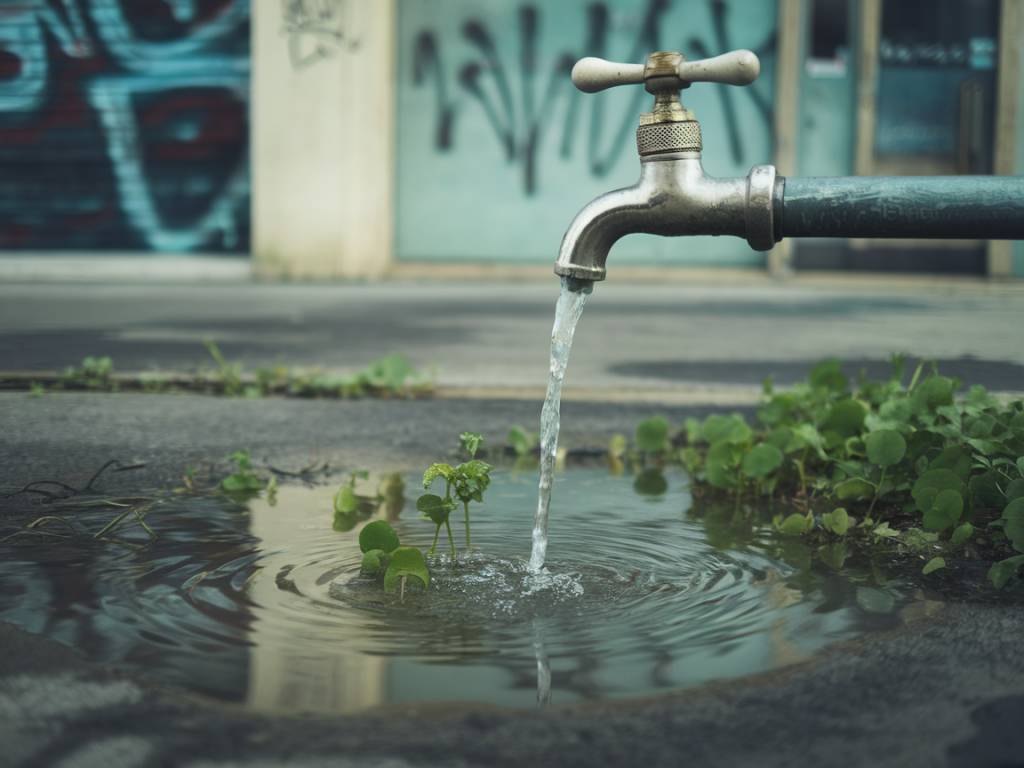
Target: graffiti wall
x=124, y=125
x=497, y=151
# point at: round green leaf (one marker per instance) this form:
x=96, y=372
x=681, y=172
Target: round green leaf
x=945, y=510
x=408, y=562
x=434, y=507
x=953, y=458
x=718, y=428
x=1015, y=489
x=828, y=375
x=796, y=524
x=378, y=535
x=652, y=434
x=761, y=461
x=720, y=465
x=885, y=447
x=651, y=482
x=854, y=489
x=1013, y=516
x=961, y=534
x=345, y=500
x=373, y=560
x=1003, y=571
x=837, y=521
x=933, y=565
x=929, y=484
x=934, y=392
x=846, y=417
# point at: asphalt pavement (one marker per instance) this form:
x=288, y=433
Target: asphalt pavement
x=946, y=690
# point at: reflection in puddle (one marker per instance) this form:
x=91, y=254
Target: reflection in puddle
x=263, y=604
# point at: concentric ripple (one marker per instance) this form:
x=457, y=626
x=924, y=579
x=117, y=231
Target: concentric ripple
x=265, y=604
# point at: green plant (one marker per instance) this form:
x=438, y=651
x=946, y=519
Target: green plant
x=229, y=375
x=245, y=481
x=910, y=465
x=464, y=483
x=523, y=441
x=94, y=373
x=350, y=506
x=652, y=435
x=382, y=551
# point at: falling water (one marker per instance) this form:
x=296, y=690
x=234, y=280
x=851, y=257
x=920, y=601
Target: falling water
x=567, y=314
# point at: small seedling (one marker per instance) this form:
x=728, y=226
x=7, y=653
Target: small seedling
x=349, y=506
x=229, y=375
x=464, y=483
x=244, y=481
x=382, y=551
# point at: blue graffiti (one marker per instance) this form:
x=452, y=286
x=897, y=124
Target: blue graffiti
x=144, y=107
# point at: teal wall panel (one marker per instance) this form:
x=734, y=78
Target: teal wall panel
x=497, y=151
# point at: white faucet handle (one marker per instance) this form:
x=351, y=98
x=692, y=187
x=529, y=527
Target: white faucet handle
x=734, y=68
x=592, y=74
x=741, y=67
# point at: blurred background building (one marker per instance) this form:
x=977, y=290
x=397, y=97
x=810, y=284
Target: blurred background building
x=362, y=138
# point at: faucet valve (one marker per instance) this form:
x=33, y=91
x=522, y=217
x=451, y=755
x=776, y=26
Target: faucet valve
x=669, y=127
x=667, y=70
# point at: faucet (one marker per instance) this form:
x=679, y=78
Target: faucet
x=674, y=196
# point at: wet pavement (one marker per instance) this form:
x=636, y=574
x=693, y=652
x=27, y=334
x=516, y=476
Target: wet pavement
x=691, y=343
x=947, y=691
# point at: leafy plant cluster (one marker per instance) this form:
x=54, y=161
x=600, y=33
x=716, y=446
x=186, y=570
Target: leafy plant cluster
x=96, y=373
x=382, y=551
x=389, y=376
x=463, y=484
x=890, y=461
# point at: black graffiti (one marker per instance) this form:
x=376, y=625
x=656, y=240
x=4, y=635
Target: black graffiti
x=315, y=30
x=520, y=120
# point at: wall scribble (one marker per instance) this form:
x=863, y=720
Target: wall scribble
x=519, y=117
x=316, y=30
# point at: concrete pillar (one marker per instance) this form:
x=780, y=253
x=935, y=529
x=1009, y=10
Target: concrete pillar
x=1008, y=126
x=322, y=137
x=789, y=63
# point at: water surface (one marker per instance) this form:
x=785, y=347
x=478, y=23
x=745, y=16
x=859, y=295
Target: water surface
x=264, y=605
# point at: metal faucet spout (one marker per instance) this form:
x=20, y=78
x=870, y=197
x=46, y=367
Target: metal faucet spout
x=673, y=197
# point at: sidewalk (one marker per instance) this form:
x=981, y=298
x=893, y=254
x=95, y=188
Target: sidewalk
x=675, y=343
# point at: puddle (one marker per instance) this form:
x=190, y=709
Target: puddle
x=264, y=605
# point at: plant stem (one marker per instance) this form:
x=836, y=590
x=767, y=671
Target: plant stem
x=451, y=539
x=465, y=506
x=433, y=546
x=878, y=491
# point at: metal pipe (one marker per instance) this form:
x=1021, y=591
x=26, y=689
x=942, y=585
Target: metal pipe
x=966, y=207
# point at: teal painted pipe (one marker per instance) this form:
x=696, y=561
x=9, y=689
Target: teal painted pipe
x=967, y=207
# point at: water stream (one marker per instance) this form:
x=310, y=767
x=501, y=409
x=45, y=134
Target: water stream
x=567, y=314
